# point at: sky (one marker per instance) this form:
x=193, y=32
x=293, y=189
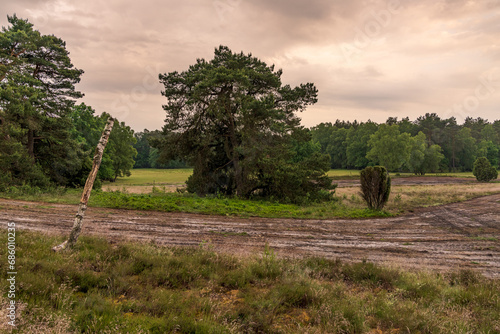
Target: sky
x=369, y=59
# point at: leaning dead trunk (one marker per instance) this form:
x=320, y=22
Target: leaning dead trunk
x=77, y=226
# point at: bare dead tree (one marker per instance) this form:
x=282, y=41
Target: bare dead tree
x=77, y=226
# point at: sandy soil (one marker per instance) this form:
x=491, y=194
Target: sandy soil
x=460, y=235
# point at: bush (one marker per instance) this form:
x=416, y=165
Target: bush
x=483, y=170
x=375, y=186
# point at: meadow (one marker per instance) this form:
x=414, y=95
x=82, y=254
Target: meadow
x=103, y=287
x=172, y=177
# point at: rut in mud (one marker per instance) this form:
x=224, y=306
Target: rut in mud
x=460, y=235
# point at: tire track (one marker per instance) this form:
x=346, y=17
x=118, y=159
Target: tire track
x=459, y=235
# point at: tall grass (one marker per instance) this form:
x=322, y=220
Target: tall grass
x=103, y=287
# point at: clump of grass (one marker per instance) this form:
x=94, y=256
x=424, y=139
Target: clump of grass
x=143, y=288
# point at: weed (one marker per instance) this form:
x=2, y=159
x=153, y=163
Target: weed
x=480, y=238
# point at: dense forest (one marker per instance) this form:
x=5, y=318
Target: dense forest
x=428, y=144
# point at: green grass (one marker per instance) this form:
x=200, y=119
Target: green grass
x=142, y=177
x=340, y=174
x=143, y=288
x=191, y=203
x=151, y=176
x=173, y=202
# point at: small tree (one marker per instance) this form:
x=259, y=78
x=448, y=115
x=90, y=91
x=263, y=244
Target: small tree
x=375, y=186
x=483, y=170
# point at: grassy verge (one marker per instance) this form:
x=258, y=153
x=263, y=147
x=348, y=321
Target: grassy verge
x=189, y=203
x=130, y=288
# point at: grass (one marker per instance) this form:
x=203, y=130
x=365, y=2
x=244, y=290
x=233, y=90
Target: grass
x=343, y=174
x=150, y=176
x=102, y=287
x=172, y=202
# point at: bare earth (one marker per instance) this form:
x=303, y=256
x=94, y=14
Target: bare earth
x=460, y=235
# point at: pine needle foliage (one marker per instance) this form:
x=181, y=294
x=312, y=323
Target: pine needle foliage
x=483, y=170
x=375, y=186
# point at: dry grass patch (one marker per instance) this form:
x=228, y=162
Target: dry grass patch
x=407, y=198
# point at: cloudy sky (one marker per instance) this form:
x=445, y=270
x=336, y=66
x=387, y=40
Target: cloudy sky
x=369, y=59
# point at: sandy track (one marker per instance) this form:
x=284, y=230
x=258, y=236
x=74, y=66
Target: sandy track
x=460, y=235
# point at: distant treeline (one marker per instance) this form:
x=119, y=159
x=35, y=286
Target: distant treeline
x=148, y=156
x=428, y=144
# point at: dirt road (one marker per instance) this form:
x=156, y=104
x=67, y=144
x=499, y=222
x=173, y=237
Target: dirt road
x=460, y=235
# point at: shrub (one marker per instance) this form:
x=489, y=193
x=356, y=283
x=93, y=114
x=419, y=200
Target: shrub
x=483, y=170
x=375, y=186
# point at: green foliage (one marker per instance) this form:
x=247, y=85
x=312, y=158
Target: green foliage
x=417, y=148
x=423, y=158
x=235, y=123
x=357, y=144
x=143, y=148
x=375, y=186
x=37, y=91
x=336, y=148
x=488, y=149
x=46, y=139
x=118, y=157
x=149, y=157
x=466, y=148
x=154, y=161
x=121, y=150
x=484, y=171
x=389, y=147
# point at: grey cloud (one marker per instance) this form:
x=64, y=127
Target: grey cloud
x=426, y=58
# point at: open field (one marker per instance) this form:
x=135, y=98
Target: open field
x=143, y=180
x=149, y=176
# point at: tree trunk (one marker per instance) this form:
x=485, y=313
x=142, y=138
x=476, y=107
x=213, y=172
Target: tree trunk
x=77, y=226
x=238, y=172
x=31, y=144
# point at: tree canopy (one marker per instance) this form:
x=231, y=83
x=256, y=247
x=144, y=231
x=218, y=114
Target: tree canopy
x=45, y=139
x=234, y=121
x=37, y=91
x=432, y=144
